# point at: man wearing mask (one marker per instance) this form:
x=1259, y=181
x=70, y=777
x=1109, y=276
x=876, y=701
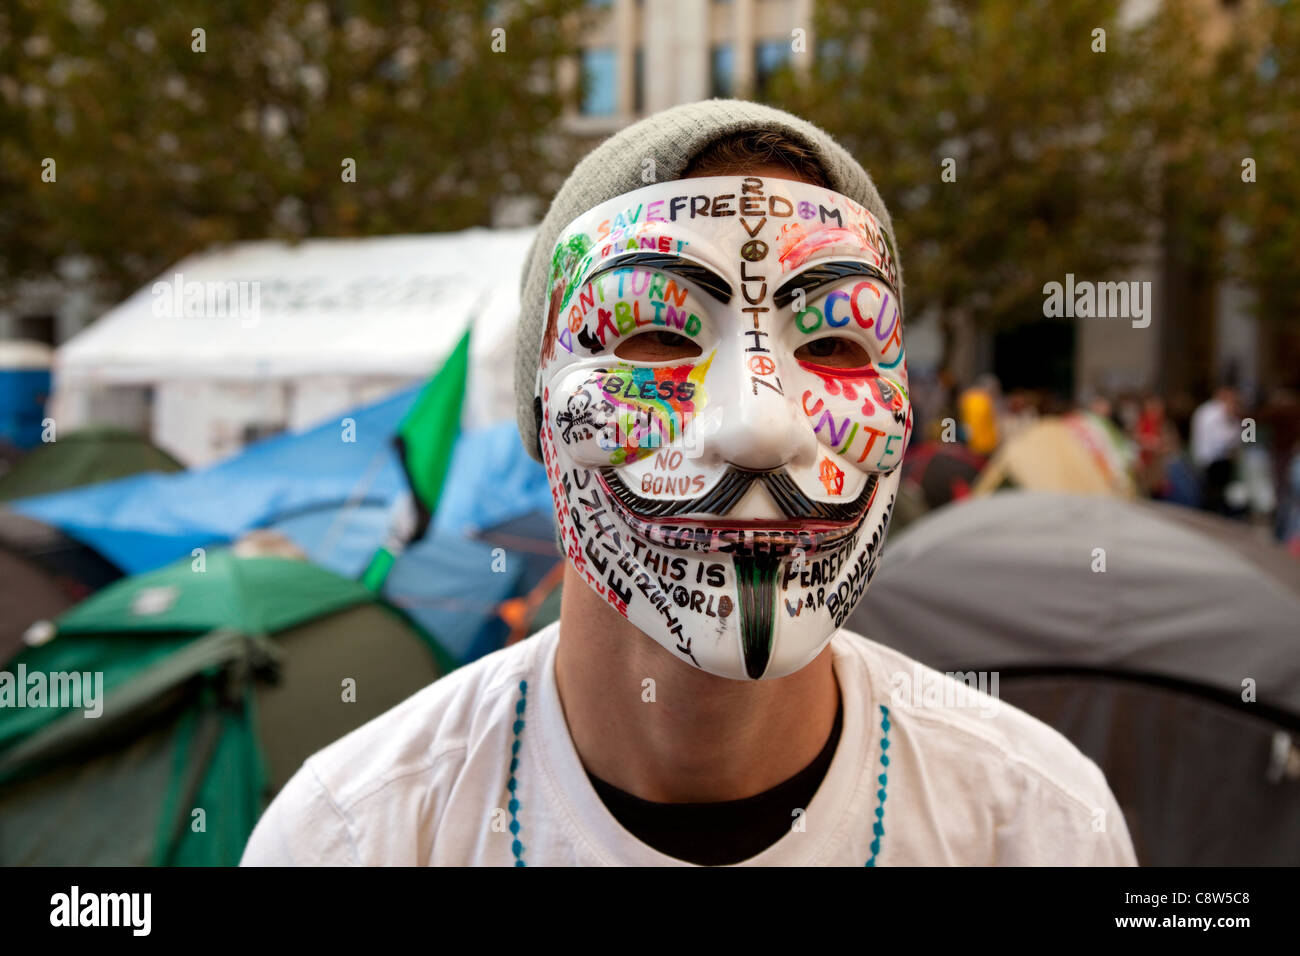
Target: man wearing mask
x=711, y=366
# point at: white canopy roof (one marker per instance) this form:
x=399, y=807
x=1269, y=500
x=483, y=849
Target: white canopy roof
x=379, y=306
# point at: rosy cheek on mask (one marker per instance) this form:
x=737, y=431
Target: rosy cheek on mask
x=861, y=412
x=862, y=417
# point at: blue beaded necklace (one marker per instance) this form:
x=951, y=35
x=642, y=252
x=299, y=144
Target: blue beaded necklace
x=512, y=785
x=516, y=847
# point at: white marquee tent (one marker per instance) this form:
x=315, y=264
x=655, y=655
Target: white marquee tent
x=307, y=331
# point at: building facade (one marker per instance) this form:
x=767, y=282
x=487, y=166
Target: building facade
x=642, y=56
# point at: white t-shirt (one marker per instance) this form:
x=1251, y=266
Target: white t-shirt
x=1214, y=433
x=430, y=781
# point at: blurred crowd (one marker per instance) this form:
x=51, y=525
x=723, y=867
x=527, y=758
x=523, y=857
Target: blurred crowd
x=1232, y=453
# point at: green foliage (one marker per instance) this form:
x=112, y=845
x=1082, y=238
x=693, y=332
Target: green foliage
x=1046, y=182
x=162, y=150
x=1268, y=110
x=1067, y=159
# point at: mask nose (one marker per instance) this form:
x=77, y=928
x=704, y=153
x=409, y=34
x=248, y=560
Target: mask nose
x=758, y=427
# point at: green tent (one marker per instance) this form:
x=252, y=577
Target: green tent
x=219, y=679
x=81, y=458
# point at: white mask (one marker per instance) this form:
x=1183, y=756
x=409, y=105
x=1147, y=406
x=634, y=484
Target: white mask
x=726, y=485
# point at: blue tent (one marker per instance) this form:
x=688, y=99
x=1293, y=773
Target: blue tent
x=342, y=539
x=145, y=521
x=451, y=585
x=295, y=481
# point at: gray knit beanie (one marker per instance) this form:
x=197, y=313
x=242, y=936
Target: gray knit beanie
x=672, y=138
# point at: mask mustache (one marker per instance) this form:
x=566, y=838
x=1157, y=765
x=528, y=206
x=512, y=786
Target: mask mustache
x=732, y=486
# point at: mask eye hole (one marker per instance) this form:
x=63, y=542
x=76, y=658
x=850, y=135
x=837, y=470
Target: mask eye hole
x=834, y=352
x=657, y=347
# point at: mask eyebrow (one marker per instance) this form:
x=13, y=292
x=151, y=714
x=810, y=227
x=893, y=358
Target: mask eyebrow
x=819, y=275
x=708, y=280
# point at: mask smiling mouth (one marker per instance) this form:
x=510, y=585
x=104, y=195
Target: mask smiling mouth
x=809, y=525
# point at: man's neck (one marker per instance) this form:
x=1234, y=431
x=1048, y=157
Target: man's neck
x=688, y=737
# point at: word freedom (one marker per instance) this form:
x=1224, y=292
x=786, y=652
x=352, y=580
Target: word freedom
x=103, y=909
x=58, y=689
x=1098, y=300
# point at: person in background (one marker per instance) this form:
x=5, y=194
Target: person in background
x=1280, y=418
x=1128, y=409
x=978, y=408
x=1156, y=441
x=1216, y=437
x=1021, y=412
x=1101, y=406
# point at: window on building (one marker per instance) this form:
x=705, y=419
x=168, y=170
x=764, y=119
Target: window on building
x=722, y=71
x=638, y=81
x=769, y=56
x=831, y=48
x=256, y=431
x=124, y=406
x=599, y=82
x=1267, y=68
x=36, y=328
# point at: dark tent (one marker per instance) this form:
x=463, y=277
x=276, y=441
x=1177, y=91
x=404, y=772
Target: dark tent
x=42, y=573
x=78, y=567
x=83, y=457
x=1176, y=668
x=27, y=595
x=218, y=681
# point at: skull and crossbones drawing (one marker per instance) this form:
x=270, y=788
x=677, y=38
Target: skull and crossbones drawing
x=581, y=419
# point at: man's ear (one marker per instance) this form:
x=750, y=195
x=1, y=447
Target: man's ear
x=537, y=425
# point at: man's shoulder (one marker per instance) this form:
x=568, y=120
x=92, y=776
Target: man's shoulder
x=435, y=726
x=957, y=720
x=376, y=795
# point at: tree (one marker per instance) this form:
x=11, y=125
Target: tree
x=1015, y=100
x=1266, y=107
x=1183, y=88
x=1224, y=107
x=176, y=126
